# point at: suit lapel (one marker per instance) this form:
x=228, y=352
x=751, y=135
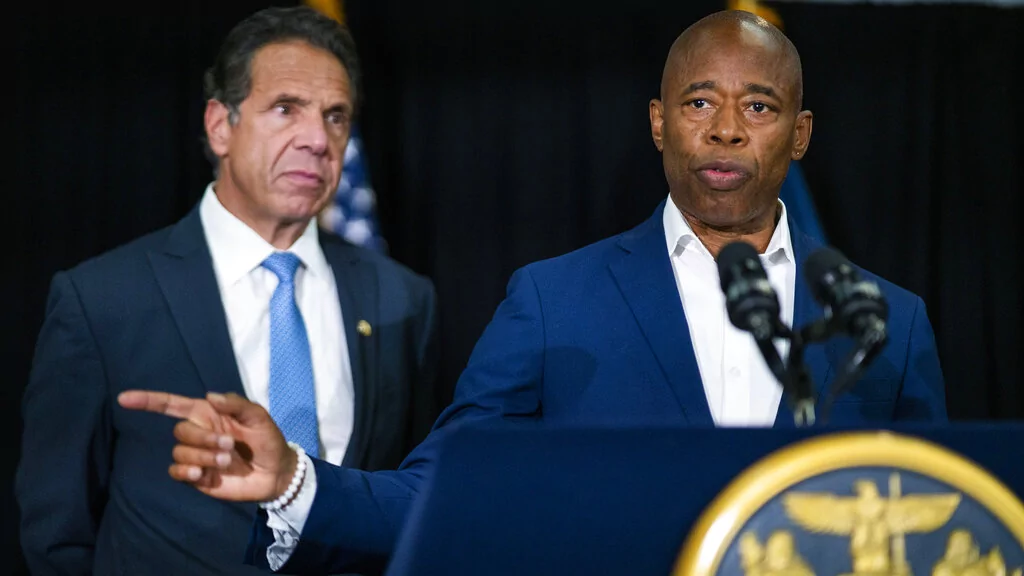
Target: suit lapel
x=805, y=311
x=184, y=272
x=358, y=291
x=645, y=278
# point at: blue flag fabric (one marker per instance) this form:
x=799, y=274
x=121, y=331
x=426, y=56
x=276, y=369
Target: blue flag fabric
x=799, y=204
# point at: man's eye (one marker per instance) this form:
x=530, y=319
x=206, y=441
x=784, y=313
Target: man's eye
x=284, y=109
x=698, y=103
x=759, y=107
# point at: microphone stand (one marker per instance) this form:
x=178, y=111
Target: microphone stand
x=792, y=374
x=803, y=403
x=868, y=346
x=803, y=408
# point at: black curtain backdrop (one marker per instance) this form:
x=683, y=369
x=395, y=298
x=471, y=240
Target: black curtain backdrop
x=502, y=133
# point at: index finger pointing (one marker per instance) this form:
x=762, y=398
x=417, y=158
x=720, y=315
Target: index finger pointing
x=159, y=402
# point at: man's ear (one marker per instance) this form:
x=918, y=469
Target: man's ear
x=657, y=111
x=218, y=127
x=802, y=139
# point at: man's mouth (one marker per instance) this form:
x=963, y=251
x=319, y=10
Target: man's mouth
x=722, y=175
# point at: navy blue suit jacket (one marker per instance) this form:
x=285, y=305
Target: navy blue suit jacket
x=92, y=484
x=598, y=338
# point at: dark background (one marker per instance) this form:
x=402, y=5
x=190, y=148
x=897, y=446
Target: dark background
x=502, y=133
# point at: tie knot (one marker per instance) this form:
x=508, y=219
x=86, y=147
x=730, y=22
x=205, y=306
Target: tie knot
x=283, y=265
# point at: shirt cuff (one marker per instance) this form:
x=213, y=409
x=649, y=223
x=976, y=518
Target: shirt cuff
x=287, y=523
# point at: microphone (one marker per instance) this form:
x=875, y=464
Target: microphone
x=750, y=300
x=852, y=305
x=753, y=306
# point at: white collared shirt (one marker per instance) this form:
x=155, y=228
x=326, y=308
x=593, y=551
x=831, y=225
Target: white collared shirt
x=245, y=286
x=740, y=388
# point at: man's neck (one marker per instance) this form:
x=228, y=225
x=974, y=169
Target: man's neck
x=758, y=233
x=280, y=235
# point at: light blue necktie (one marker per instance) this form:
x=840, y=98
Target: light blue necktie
x=292, y=395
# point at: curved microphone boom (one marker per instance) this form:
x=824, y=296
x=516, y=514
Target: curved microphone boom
x=753, y=306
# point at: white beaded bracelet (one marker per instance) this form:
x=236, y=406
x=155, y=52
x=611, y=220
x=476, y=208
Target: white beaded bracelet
x=296, y=483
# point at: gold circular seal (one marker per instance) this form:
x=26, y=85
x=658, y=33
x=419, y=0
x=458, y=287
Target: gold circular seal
x=863, y=518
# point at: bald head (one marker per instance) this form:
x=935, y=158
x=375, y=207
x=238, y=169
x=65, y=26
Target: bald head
x=728, y=123
x=734, y=30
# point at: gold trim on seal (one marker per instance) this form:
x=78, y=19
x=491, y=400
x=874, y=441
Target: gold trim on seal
x=759, y=484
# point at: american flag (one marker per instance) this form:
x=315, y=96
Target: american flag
x=353, y=215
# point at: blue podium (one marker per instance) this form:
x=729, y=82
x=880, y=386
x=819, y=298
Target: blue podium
x=623, y=501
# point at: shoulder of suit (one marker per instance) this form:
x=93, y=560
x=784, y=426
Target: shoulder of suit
x=904, y=305
x=899, y=299
x=593, y=256
x=894, y=293
x=122, y=259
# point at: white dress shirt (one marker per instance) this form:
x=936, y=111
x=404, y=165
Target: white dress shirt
x=739, y=386
x=740, y=389
x=245, y=289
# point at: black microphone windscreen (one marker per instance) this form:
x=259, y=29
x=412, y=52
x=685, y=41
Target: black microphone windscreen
x=818, y=265
x=731, y=257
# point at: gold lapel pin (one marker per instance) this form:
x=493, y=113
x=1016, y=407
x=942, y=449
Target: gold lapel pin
x=364, y=328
